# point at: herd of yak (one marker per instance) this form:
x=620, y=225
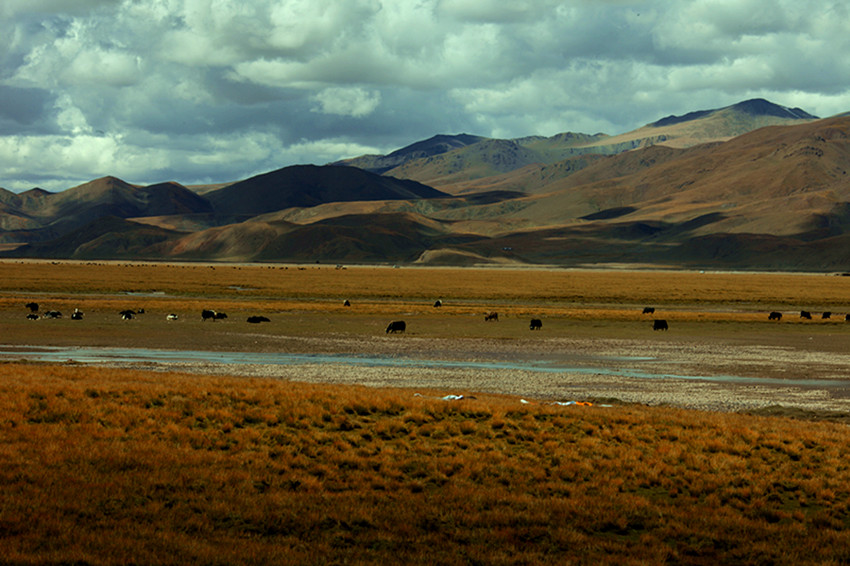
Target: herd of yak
x=393, y=327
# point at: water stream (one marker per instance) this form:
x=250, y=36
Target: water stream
x=599, y=365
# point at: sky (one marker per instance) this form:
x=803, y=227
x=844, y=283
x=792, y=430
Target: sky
x=219, y=90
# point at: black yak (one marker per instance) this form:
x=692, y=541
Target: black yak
x=396, y=326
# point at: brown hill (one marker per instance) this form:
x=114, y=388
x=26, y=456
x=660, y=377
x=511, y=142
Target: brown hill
x=771, y=181
x=311, y=185
x=107, y=237
x=389, y=237
x=457, y=169
x=706, y=126
x=773, y=198
x=38, y=215
x=483, y=159
x=426, y=148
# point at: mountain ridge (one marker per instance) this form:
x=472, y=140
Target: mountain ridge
x=773, y=197
x=454, y=168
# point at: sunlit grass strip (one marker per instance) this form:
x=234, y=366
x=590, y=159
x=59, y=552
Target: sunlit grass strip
x=115, y=466
x=381, y=283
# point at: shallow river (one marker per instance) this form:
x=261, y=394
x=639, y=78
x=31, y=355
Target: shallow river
x=631, y=367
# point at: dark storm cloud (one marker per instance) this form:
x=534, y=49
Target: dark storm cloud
x=200, y=90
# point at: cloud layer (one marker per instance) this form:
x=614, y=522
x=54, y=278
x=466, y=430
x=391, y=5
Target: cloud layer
x=215, y=90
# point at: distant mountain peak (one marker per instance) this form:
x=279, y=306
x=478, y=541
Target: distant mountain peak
x=762, y=107
x=36, y=191
x=441, y=143
x=435, y=145
x=752, y=107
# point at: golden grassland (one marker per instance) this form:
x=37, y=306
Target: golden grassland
x=503, y=285
x=307, y=301
x=106, y=466
x=613, y=295
x=116, y=466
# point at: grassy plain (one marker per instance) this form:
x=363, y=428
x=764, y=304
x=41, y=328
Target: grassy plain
x=578, y=294
x=549, y=287
x=105, y=466
x=308, y=301
x=115, y=466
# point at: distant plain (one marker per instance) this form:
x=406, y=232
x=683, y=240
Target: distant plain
x=593, y=322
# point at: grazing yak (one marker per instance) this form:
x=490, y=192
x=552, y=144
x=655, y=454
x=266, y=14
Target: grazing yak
x=648, y=310
x=257, y=319
x=806, y=314
x=535, y=324
x=826, y=315
x=492, y=316
x=396, y=326
x=77, y=315
x=438, y=303
x=774, y=316
x=33, y=307
x=214, y=315
x=659, y=324
x=128, y=314
x=347, y=303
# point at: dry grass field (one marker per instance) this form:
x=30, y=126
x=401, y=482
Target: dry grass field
x=106, y=466
x=552, y=288
x=109, y=465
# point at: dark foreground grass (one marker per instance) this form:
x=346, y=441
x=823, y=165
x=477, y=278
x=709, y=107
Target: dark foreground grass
x=104, y=466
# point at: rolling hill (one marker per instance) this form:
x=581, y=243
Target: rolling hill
x=310, y=185
x=687, y=192
x=456, y=169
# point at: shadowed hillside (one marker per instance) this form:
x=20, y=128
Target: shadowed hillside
x=310, y=185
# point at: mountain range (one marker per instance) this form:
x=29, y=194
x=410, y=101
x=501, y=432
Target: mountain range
x=754, y=185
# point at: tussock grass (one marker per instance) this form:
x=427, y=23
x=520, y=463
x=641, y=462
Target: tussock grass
x=108, y=466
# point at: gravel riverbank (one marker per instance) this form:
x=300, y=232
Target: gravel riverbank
x=709, y=376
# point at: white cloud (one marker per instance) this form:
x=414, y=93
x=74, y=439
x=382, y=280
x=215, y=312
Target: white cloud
x=328, y=150
x=354, y=102
x=194, y=89
x=70, y=118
